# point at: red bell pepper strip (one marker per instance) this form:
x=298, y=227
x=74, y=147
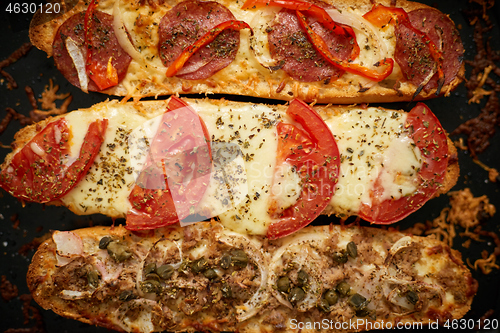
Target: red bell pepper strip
x=322, y=48
x=204, y=40
x=104, y=75
x=316, y=11
x=381, y=15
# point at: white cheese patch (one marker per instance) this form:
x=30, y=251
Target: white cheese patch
x=372, y=143
x=106, y=186
x=252, y=128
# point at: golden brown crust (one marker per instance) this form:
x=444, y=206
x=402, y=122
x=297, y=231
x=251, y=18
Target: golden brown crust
x=245, y=76
x=451, y=278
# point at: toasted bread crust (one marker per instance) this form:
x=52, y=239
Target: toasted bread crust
x=246, y=76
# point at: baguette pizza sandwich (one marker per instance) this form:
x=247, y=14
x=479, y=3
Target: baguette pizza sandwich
x=261, y=169
x=207, y=278
x=332, y=51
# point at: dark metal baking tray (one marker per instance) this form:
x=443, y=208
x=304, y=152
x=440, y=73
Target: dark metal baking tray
x=36, y=69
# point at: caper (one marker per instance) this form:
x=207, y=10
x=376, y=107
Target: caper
x=239, y=258
x=93, y=278
x=150, y=268
x=165, y=271
x=226, y=290
x=352, y=250
x=153, y=276
x=225, y=261
x=150, y=286
x=331, y=297
x=357, y=301
x=296, y=295
x=127, y=295
x=412, y=297
x=340, y=257
x=119, y=251
x=343, y=288
x=302, y=278
x=104, y=242
x=199, y=265
x=283, y=284
x=210, y=274
x=323, y=305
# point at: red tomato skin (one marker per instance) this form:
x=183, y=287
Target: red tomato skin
x=431, y=139
x=158, y=200
x=44, y=176
x=314, y=153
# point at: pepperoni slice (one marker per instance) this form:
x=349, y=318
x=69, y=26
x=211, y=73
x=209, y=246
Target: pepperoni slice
x=430, y=138
x=288, y=43
x=311, y=149
x=413, y=54
x=41, y=171
x=186, y=23
x=441, y=30
x=176, y=173
x=104, y=45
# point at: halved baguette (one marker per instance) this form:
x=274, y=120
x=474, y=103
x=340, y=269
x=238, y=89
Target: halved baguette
x=377, y=136
x=219, y=280
x=245, y=75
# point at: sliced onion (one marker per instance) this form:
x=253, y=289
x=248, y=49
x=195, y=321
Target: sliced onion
x=72, y=294
x=77, y=56
x=363, y=27
x=102, y=261
x=143, y=315
x=259, y=42
x=401, y=243
x=259, y=299
x=68, y=243
x=302, y=257
x=360, y=24
x=392, y=293
x=126, y=44
x=140, y=269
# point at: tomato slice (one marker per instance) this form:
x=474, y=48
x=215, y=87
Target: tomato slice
x=40, y=171
x=204, y=40
x=176, y=173
x=104, y=75
x=322, y=48
x=430, y=138
x=315, y=11
x=311, y=149
x=381, y=15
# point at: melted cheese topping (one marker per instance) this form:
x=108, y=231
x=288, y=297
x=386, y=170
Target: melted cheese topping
x=146, y=70
x=372, y=143
x=106, y=186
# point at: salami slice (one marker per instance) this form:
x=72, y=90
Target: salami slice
x=441, y=30
x=187, y=22
x=288, y=43
x=413, y=53
x=104, y=45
